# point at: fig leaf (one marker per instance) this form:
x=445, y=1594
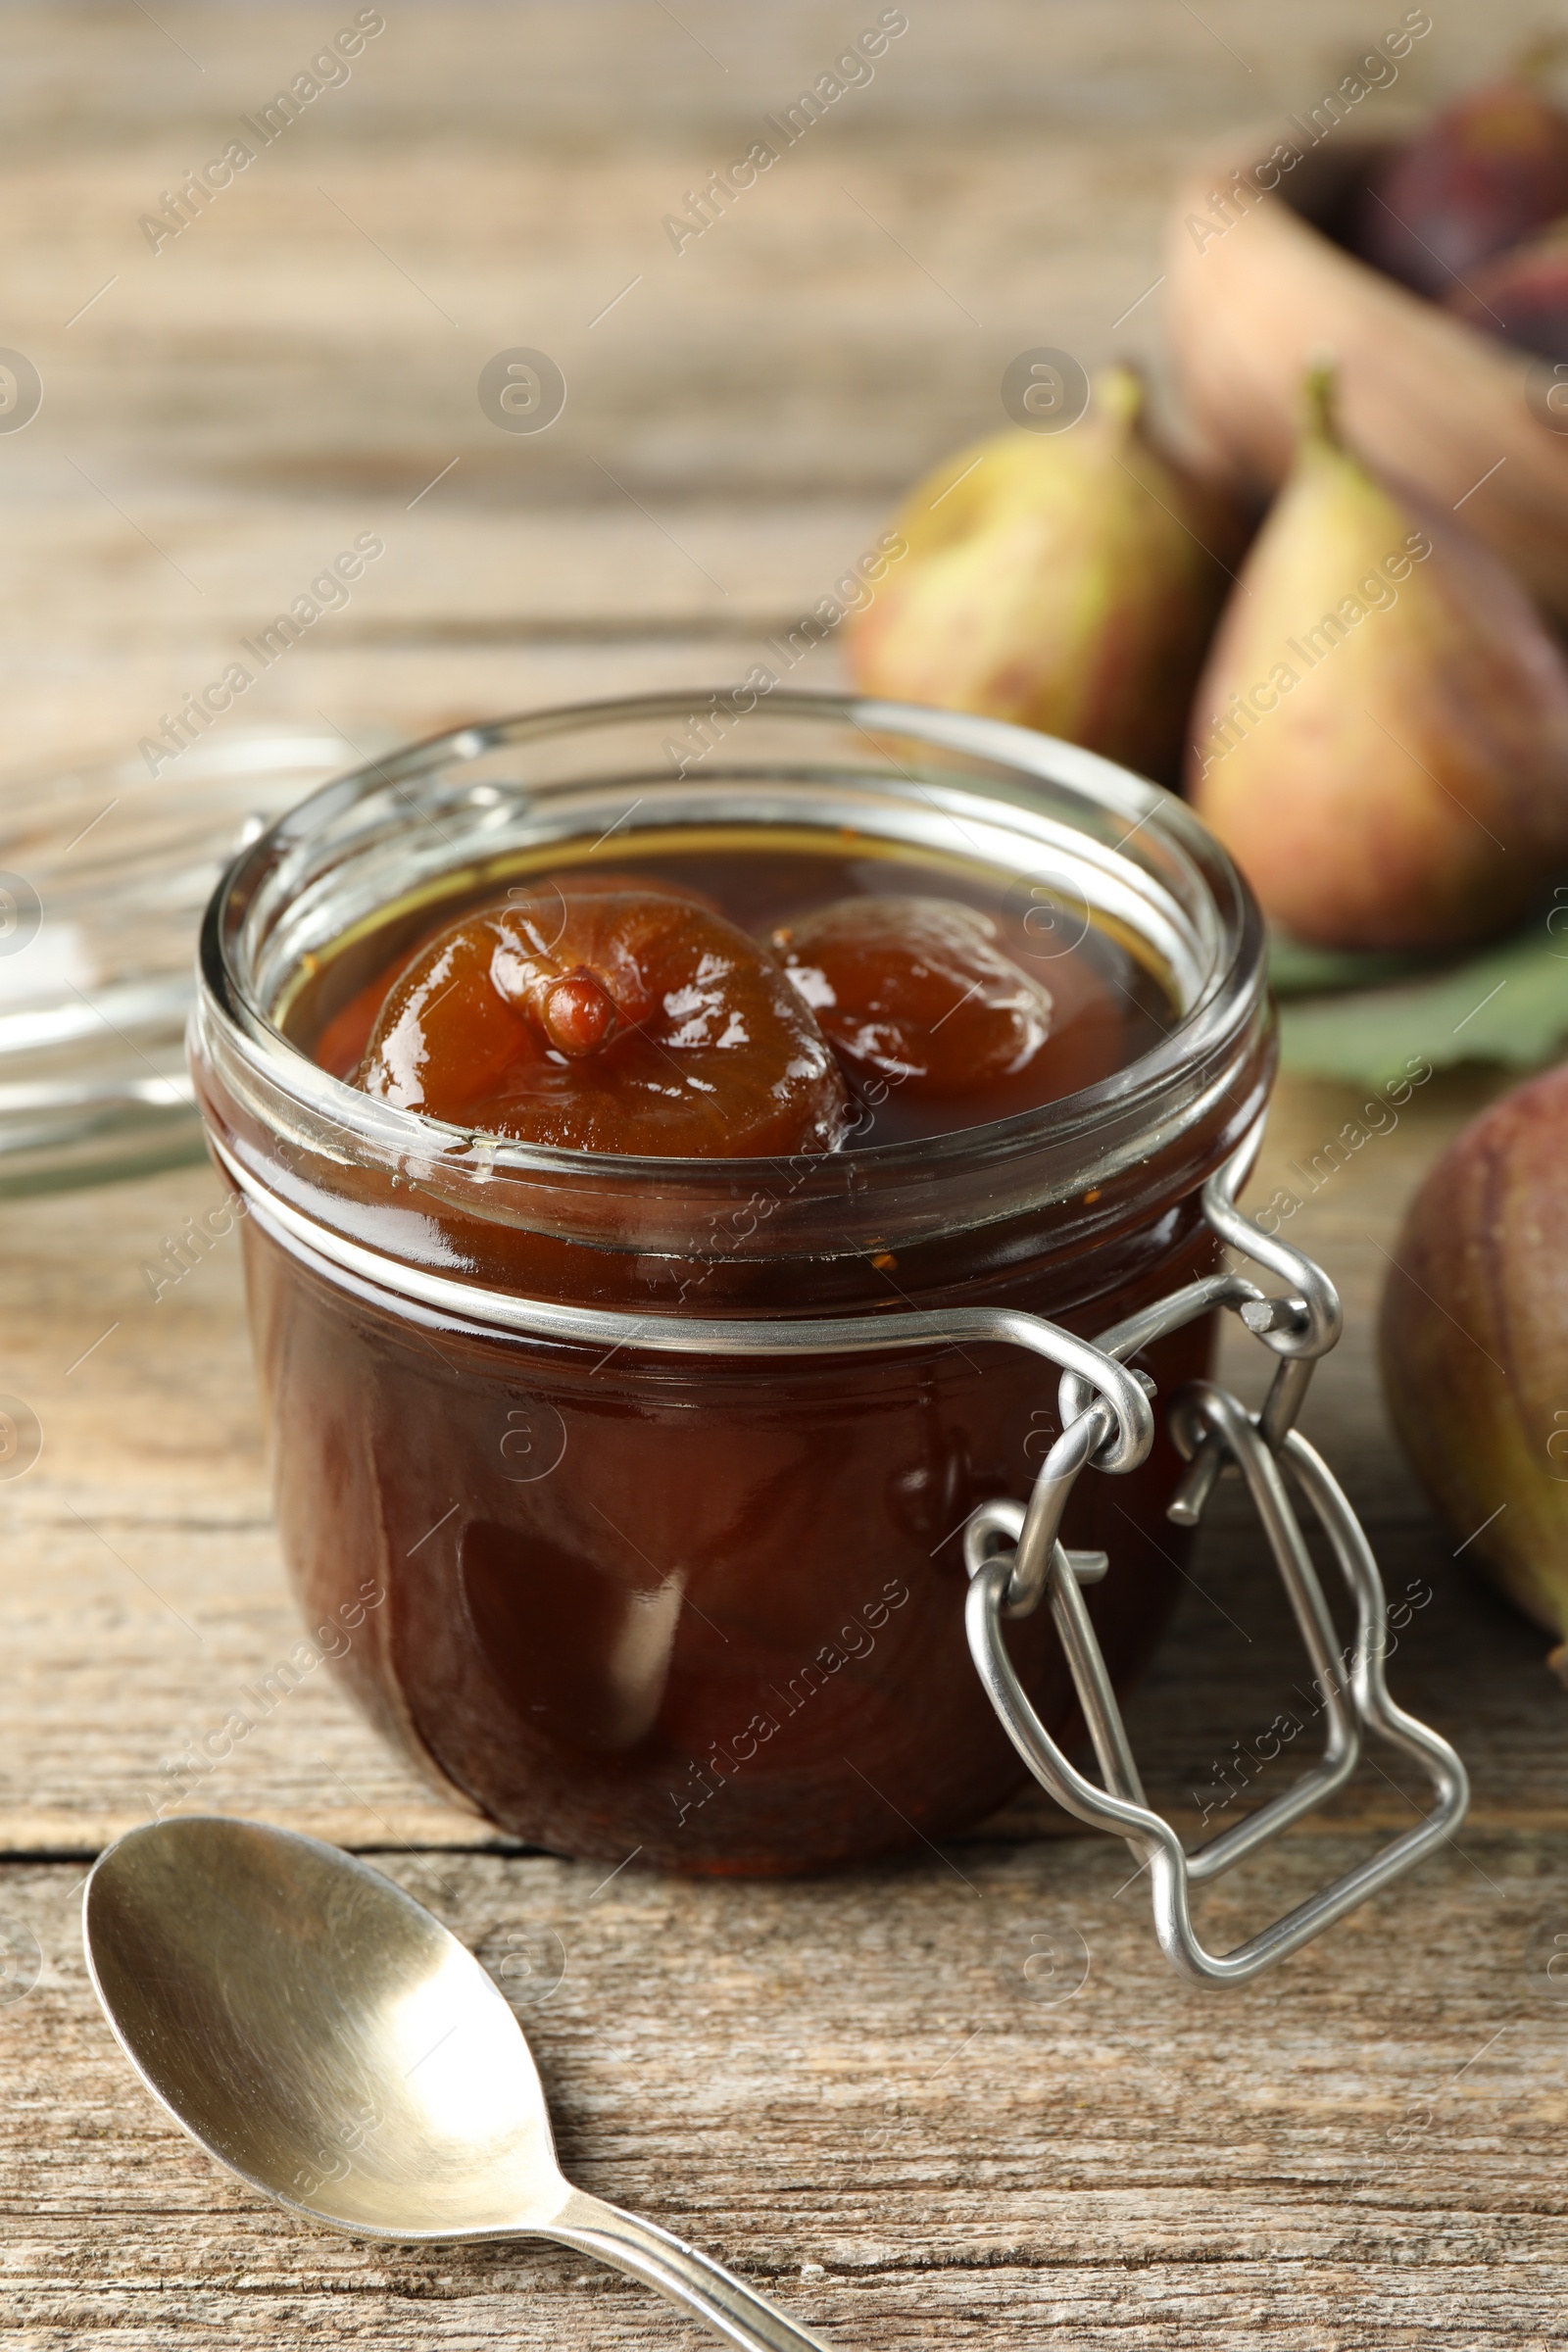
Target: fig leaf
x=1508, y=1005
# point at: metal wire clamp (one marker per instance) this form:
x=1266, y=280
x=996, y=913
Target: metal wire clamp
x=1016, y=1559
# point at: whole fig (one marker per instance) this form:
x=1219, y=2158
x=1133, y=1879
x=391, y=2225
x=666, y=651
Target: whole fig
x=1067, y=582
x=1380, y=733
x=1488, y=171
x=1474, y=1344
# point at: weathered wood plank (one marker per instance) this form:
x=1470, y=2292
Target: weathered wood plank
x=281, y=369
x=848, y=2090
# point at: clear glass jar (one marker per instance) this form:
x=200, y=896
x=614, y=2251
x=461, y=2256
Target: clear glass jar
x=703, y=1606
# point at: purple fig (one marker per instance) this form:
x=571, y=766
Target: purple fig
x=1483, y=175
x=1522, y=295
x=1475, y=1345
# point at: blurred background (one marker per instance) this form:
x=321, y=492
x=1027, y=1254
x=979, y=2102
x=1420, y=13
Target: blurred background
x=299, y=362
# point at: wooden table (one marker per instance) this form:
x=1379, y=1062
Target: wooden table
x=846, y=2088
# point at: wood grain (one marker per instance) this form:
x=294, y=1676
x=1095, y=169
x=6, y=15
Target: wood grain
x=847, y=2087
x=848, y=2090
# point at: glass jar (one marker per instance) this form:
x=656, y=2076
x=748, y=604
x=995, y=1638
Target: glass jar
x=619, y=1590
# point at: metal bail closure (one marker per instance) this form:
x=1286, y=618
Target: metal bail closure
x=1016, y=1559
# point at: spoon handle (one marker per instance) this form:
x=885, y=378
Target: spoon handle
x=679, y=2271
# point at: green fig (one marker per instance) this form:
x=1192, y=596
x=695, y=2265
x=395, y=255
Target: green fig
x=1382, y=729
x=1067, y=582
x=1474, y=1344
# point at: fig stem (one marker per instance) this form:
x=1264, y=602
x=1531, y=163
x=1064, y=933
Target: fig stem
x=1121, y=391
x=580, y=1015
x=1321, y=392
x=1540, y=56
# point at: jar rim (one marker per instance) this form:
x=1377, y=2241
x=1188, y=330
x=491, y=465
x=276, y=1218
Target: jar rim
x=1139, y=841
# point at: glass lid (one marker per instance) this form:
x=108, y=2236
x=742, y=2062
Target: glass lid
x=104, y=874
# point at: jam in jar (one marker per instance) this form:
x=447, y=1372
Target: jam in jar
x=544, y=1066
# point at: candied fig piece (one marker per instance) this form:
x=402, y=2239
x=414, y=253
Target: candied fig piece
x=341, y=1046
x=629, y=1020
x=916, y=991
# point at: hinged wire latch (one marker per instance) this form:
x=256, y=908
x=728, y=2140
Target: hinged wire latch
x=1016, y=1559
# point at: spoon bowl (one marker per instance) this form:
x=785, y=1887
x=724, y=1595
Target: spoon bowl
x=322, y=2034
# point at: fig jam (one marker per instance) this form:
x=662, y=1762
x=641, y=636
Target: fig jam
x=706, y=1608
x=1101, y=1007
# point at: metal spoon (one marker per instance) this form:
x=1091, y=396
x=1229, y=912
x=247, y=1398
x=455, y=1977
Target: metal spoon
x=315, y=2029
